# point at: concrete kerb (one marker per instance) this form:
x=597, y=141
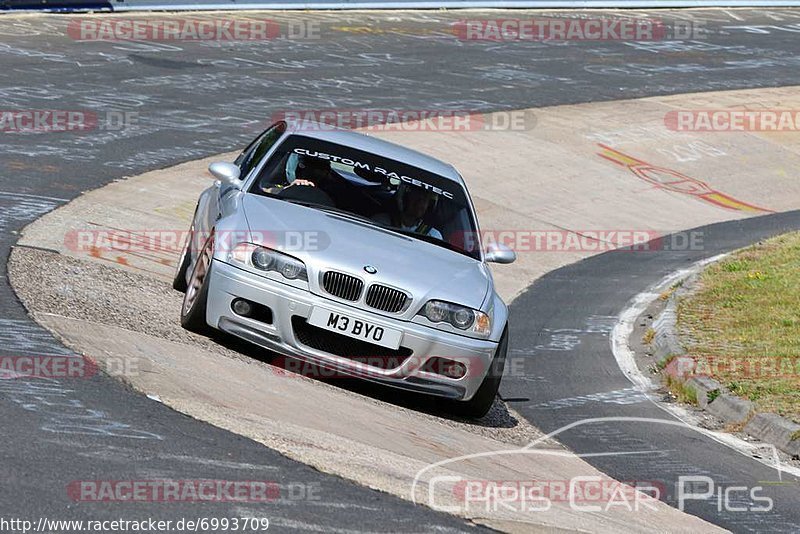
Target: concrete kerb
x=666, y=343
x=777, y=430
x=706, y=389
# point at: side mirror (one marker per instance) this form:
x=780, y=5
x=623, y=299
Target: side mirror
x=227, y=173
x=499, y=253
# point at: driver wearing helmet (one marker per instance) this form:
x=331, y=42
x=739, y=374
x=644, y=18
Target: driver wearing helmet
x=413, y=203
x=312, y=172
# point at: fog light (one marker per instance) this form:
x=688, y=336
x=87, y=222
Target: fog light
x=242, y=307
x=454, y=369
x=445, y=367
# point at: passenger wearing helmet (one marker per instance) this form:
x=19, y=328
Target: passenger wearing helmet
x=413, y=203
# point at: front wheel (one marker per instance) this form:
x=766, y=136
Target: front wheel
x=193, y=310
x=480, y=403
x=179, y=281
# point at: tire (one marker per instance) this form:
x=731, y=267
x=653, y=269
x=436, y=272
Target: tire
x=480, y=403
x=179, y=281
x=195, y=299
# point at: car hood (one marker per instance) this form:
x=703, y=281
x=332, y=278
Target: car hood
x=325, y=241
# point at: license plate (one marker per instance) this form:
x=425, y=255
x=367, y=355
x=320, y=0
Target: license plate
x=355, y=328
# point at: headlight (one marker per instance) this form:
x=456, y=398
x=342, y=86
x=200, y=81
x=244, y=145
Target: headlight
x=461, y=317
x=266, y=259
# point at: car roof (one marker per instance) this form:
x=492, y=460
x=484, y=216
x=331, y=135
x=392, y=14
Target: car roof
x=373, y=145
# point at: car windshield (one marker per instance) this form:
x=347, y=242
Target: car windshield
x=372, y=188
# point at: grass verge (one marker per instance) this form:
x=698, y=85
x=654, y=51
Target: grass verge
x=742, y=324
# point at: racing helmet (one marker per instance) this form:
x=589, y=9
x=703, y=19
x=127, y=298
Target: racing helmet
x=404, y=190
x=306, y=164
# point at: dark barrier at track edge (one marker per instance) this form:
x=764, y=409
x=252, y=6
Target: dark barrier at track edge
x=180, y=5
x=55, y=5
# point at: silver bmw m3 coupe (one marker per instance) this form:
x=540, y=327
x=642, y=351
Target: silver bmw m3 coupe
x=353, y=254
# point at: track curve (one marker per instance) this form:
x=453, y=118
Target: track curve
x=563, y=387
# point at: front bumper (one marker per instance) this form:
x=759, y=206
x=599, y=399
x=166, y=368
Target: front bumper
x=228, y=282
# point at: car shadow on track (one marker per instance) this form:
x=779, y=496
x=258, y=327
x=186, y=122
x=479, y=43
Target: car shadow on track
x=498, y=416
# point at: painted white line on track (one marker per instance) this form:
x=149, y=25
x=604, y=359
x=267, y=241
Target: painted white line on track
x=624, y=327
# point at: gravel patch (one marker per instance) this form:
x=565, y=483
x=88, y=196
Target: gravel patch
x=48, y=282
x=52, y=283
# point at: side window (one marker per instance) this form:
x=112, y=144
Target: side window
x=255, y=151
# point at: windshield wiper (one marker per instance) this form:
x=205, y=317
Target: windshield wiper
x=423, y=237
x=431, y=239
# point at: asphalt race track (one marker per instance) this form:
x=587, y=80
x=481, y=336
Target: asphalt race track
x=581, y=301
x=197, y=99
